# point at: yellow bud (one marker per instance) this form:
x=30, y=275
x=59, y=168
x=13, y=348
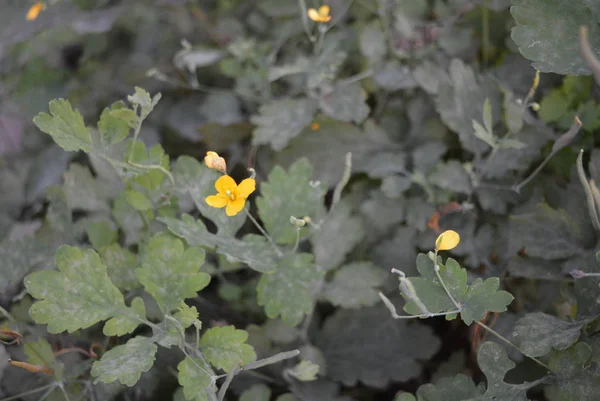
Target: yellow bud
x=447, y=240
x=213, y=160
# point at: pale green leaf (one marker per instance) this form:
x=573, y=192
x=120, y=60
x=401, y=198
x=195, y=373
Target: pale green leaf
x=128, y=321
x=78, y=296
x=355, y=285
x=39, y=352
x=128, y=219
x=576, y=373
x=457, y=388
x=510, y=143
x=225, y=348
x=138, y=200
x=549, y=39
x=347, y=102
x=253, y=250
x=282, y=120
x=367, y=345
x=115, y=122
x=546, y=233
x=486, y=136
x=126, y=362
x=304, y=371
x=17, y=258
x=289, y=290
x=258, y=392
x=83, y=191
x=65, y=126
x=186, y=315
x=170, y=273
x=120, y=263
x=289, y=194
x=372, y=42
x=101, y=233
x=539, y=333
x=196, y=378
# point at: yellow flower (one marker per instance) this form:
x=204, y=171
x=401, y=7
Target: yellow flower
x=231, y=195
x=35, y=10
x=213, y=160
x=447, y=240
x=319, y=16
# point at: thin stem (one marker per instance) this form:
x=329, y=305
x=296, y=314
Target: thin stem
x=501, y=337
x=264, y=233
x=154, y=167
x=395, y=314
x=517, y=188
x=226, y=383
x=337, y=193
x=7, y=315
x=297, y=240
x=62, y=388
x=304, y=12
x=436, y=269
x=50, y=387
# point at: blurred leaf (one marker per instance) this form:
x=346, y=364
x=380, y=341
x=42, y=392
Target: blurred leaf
x=120, y=264
x=355, y=285
x=253, y=250
x=86, y=292
x=115, y=123
x=196, y=378
x=126, y=362
x=317, y=390
x=326, y=148
x=545, y=37
x=101, y=233
x=289, y=291
x=431, y=77
x=46, y=170
x=392, y=76
x=330, y=246
x=83, y=191
x=539, y=333
x=18, y=258
x=191, y=58
x=164, y=258
x=258, y=392
x=546, y=233
x=476, y=299
x=451, y=176
x=457, y=388
x=224, y=348
x=304, y=371
x=367, y=345
x=289, y=194
x=372, y=42
x=128, y=219
x=345, y=103
x=65, y=126
x=494, y=363
x=138, y=200
x=282, y=120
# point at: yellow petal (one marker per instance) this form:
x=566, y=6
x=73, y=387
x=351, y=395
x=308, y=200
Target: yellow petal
x=213, y=160
x=235, y=207
x=313, y=14
x=225, y=183
x=35, y=10
x=324, y=11
x=447, y=240
x=246, y=187
x=218, y=200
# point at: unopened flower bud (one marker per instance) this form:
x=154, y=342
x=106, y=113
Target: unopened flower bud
x=214, y=161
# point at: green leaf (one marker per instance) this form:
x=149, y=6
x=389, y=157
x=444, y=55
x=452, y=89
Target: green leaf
x=282, y=120
x=17, y=258
x=355, y=285
x=171, y=274
x=372, y=42
x=120, y=264
x=553, y=106
x=358, y=345
x=258, y=392
x=115, y=122
x=224, y=348
x=142, y=98
x=461, y=102
x=83, y=191
x=550, y=40
x=195, y=179
x=288, y=194
x=539, y=333
x=76, y=297
x=487, y=116
x=483, y=134
x=253, y=250
x=576, y=378
x=290, y=289
x=494, y=363
x=196, y=378
x=457, y=388
x=128, y=219
x=304, y=371
x=65, y=126
x=126, y=362
x=186, y=315
x=476, y=300
x=101, y=233
x=326, y=148
x=339, y=233
x=39, y=352
x=345, y=103
x=138, y=200
x=451, y=176
x=126, y=323
x=546, y=233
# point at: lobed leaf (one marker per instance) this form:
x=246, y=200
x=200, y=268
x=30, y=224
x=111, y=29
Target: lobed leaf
x=65, y=126
x=225, y=348
x=196, y=378
x=539, y=333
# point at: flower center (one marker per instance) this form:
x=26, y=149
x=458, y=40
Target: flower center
x=230, y=194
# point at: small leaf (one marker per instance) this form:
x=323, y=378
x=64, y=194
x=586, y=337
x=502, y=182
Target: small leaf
x=345, y=103
x=288, y=194
x=282, y=120
x=258, y=392
x=65, y=126
x=101, y=233
x=539, y=333
x=76, y=297
x=451, y=176
x=39, y=352
x=138, y=200
x=224, y=348
x=483, y=134
x=367, y=345
x=355, y=285
x=196, y=378
x=304, y=371
x=546, y=233
x=126, y=324
x=509, y=143
x=115, y=123
x=289, y=290
x=165, y=259
x=457, y=388
x=126, y=362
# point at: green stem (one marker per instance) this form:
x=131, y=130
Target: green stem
x=304, y=12
x=7, y=315
x=50, y=387
x=501, y=337
x=297, y=240
x=264, y=233
x=395, y=314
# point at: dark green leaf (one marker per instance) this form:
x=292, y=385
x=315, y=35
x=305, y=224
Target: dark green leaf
x=539, y=333
x=355, y=285
x=345, y=103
